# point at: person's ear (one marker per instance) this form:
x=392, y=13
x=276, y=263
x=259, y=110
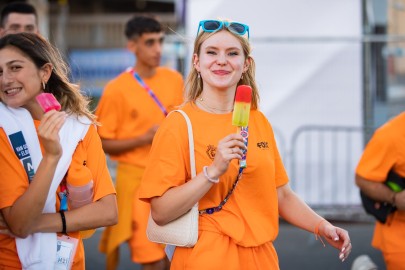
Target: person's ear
x=46, y=72
x=247, y=64
x=131, y=46
x=196, y=62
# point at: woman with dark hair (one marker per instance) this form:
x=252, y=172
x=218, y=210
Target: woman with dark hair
x=43, y=157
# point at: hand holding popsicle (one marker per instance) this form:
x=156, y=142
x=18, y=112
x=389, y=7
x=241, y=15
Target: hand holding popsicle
x=241, y=112
x=48, y=102
x=50, y=123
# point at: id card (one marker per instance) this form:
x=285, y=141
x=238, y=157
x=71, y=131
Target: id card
x=65, y=253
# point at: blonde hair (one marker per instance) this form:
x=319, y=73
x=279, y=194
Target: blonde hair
x=194, y=83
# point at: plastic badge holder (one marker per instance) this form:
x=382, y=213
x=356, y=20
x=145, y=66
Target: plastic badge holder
x=48, y=102
x=78, y=197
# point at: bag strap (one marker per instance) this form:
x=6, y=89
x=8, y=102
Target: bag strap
x=190, y=142
x=193, y=169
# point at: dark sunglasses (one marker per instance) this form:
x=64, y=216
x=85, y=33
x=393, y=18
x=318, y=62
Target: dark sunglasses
x=215, y=25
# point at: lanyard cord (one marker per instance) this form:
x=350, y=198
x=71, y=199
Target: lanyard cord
x=150, y=92
x=242, y=166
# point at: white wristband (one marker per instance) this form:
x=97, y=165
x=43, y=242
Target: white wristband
x=212, y=180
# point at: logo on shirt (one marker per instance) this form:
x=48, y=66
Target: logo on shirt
x=211, y=151
x=263, y=145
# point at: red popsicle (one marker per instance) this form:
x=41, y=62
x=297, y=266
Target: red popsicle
x=48, y=102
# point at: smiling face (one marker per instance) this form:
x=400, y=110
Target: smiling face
x=221, y=61
x=20, y=79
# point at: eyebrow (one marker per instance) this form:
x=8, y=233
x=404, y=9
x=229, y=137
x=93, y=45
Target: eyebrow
x=154, y=39
x=14, y=61
x=227, y=49
x=21, y=25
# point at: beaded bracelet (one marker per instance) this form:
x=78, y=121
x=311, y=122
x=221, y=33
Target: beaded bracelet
x=212, y=180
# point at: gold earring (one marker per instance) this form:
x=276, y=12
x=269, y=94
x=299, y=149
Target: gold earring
x=241, y=77
x=199, y=76
x=43, y=86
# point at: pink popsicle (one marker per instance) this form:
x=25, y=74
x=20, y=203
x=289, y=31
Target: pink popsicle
x=48, y=102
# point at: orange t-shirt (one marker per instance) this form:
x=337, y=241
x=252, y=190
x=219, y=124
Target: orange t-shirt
x=250, y=216
x=126, y=110
x=384, y=151
x=14, y=182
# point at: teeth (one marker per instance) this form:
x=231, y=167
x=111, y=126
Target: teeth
x=12, y=91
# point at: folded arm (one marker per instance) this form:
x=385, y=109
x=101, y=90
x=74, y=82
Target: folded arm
x=94, y=215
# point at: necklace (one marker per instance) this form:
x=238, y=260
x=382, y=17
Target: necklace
x=213, y=109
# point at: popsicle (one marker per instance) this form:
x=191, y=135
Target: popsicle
x=241, y=109
x=240, y=117
x=48, y=102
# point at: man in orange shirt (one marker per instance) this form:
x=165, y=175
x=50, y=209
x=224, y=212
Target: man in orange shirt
x=130, y=110
x=18, y=17
x=384, y=152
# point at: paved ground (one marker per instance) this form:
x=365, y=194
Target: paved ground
x=297, y=249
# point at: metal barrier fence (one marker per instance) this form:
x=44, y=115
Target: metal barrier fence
x=321, y=164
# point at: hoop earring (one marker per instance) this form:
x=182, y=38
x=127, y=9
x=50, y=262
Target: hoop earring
x=43, y=86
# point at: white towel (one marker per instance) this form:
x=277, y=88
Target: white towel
x=38, y=250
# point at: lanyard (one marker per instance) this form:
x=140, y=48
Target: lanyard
x=242, y=166
x=150, y=92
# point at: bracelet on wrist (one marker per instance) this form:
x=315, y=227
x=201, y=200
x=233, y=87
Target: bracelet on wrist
x=316, y=231
x=62, y=215
x=212, y=180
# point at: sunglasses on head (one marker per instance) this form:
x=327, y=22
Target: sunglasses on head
x=215, y=25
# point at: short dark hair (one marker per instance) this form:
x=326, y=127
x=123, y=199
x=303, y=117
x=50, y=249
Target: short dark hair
x=16, y=7
x=139, y=25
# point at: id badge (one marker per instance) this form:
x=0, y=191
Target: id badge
x=65, y=253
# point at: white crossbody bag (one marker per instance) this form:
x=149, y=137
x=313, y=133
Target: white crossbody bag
x=183, y=231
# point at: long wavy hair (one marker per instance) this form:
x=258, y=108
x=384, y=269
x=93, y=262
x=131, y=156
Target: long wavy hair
x=194, y=85
x=41, y=52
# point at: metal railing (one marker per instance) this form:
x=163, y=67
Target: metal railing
x=322, y=163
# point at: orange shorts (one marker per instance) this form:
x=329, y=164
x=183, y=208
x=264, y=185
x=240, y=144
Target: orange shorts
x=215, y=250
x=132, y=219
